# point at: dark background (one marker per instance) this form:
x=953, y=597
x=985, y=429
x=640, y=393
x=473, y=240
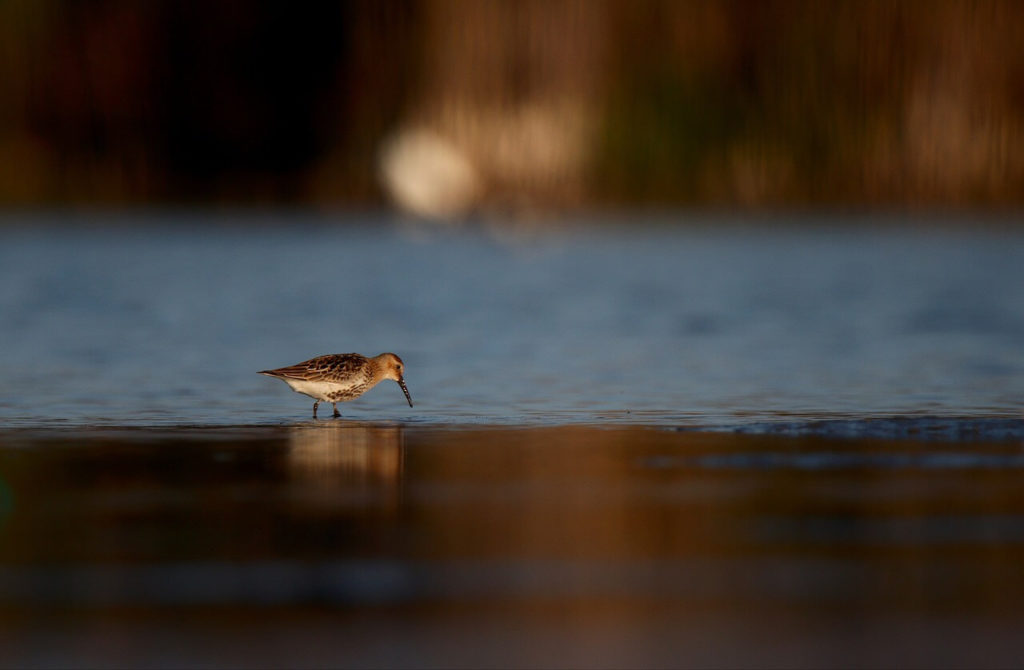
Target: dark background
x=553, y=104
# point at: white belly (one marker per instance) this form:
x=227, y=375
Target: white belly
x=317, y=390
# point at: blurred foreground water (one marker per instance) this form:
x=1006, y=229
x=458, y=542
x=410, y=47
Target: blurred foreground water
x=632, y=446
x=351, y=544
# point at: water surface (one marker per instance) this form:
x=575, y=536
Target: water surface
x=164, y=320
x=765, y=444
x=360, y=544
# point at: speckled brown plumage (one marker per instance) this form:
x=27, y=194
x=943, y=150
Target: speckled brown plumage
x=331, y=367
x=340, y=377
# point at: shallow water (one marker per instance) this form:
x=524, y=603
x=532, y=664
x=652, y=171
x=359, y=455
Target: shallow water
x=164, y=320
x=633, y=445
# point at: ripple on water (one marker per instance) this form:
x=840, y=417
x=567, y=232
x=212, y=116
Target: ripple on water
x=921, y=428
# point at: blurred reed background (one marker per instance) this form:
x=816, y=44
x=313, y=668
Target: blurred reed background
x=448, y=107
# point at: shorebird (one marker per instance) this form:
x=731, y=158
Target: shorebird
x=336, y=378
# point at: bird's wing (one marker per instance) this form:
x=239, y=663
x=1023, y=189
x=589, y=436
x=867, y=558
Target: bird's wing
x=329, y=366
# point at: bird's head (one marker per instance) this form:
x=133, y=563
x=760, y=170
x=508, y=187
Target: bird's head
x=391, y=367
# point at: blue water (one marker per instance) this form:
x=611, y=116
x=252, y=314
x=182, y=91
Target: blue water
x=164, y=319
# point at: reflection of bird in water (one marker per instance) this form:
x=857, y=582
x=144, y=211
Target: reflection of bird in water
x=351, y=451
x=339, y=377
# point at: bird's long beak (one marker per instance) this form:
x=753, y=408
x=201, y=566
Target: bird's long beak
x=401, y=382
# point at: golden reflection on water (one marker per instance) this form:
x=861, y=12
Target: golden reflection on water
x=574, y=492
x=341, y=465
x=376, y=545
x=332, y=451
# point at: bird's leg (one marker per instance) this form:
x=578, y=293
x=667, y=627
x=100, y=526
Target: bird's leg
x=315, y=405
x=336, y=412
